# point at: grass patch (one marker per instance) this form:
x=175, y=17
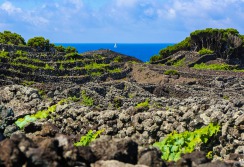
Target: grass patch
x=31, y=66
x=95, y=66
x=27, y=83
x=4, y=55
x=116, y=70
x=179, y=63
x=214, y=67
x=205, y=51
x=176, y=144
x=171, y=72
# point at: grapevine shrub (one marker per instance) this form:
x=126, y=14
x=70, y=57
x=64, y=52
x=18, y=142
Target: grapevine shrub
x=176, y=144
x=88, y=138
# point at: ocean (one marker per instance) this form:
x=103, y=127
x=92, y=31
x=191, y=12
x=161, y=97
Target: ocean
x=140, y=51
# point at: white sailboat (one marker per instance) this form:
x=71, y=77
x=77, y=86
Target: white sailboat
x=115, y=45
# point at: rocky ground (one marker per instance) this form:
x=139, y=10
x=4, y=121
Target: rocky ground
x=186, y=101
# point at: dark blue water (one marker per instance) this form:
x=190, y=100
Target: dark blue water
x=140, y=51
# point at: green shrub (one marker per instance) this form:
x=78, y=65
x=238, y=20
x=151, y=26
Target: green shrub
x=22, y=122
x=205, y=51
x=86, y=100
x=95, y=66
x=72, y=55
x=60, y=48
x=7, y=37
x=144, y=104
x=20, y=53
x=61, y=67
x=48, y=67
x=70, y=49
x=179, y=63
x=171, y=72
x=27, y=83
x=88, y=138
x=39, y=43
x=74, y=99
x=31, y=66
x=116, y=70
x=4, y=55
x=176, y=144
x=96, y=74
x=118, y=59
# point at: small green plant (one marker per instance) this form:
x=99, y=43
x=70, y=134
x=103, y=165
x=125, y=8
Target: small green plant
x=31, y=66
x=96, y=74
x=179, y=63
x=20, y=53
x=118, y=59
x=226, y=97
x=61, y=67
x=22, y=122
x=72, y=55
x=74, y=99
x=205, y=51
x=176, y=144
x=144, y=104
x=116, y=70
x=85, y=99
x=88, y=138
x=48, y=67
x=171, y=72
x=27, y=83
x=98, y=56
x=41, y=93
x=95, y=66
x=4, y=54
x=210, y=155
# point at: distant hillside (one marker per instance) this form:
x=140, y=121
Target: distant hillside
x=40, y=61
x=226, y=44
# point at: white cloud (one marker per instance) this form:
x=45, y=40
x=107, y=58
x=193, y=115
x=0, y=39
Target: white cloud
x=10, y=8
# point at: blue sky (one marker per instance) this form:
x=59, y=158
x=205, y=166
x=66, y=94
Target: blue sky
x=121, y=21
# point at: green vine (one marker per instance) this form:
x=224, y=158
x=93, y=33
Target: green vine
x=176, y=144
x=88, y=138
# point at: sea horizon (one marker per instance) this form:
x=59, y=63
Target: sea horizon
x=141, y=51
